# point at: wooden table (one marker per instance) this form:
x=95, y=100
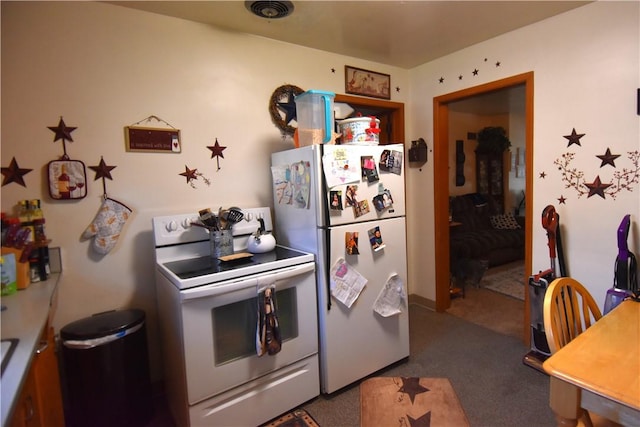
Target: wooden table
x=600, y=370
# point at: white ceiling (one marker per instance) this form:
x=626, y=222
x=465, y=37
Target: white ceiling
x=399, y=33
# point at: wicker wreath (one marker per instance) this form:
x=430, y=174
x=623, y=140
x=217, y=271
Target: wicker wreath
x=283, y=92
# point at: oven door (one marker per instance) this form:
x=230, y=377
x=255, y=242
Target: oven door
x=220, y=324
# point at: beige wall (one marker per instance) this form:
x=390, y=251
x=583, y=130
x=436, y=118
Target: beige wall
x=586, y=66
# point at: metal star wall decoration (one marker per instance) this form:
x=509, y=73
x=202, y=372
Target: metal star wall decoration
x=103, y=171
x=596, y=187
x=62, y=132
x=574, y=138
x=216, y=151
x=14, y=173
x=192, y=175
x=562, y=200
x=608, y=158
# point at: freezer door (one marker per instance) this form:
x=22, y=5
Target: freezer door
x=357, y=341
x=363, y=183
x=298, y=209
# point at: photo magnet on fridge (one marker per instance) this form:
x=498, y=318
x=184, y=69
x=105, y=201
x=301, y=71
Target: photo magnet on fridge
x=369, y=170
x=335, y=198
x=383, y=201
x=375, y=238
x=361, y=208
x=350, y=198
x=351, y=241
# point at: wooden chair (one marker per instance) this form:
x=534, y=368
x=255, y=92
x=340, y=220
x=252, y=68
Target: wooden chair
x=569, y=309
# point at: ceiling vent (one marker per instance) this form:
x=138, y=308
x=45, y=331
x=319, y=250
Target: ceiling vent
x=270, y=9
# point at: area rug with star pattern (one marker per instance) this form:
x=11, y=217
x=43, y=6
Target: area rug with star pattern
x=410, y=402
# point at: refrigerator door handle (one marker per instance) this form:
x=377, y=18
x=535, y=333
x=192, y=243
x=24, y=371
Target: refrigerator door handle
x=327, y=255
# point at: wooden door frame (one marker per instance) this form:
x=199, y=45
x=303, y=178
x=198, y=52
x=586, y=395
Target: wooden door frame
x=441, y=183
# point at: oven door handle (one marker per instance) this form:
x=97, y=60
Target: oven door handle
x=262, y=279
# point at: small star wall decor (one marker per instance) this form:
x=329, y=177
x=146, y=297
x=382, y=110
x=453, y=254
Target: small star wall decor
x=608, y=158
x=62, y=131
x=216, y=151
x=14, y=173
x=475, y=72
x=192, y=175
x=498, y=64
x=543, y=175
x=460, y=77
x=596, y=187
x=102, y=170
x=189, y=173
x=574, y=138
x=333, y=70
x=562, y=200
x=397, y=88
x=441, y=80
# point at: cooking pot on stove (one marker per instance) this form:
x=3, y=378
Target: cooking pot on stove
x=261, y=241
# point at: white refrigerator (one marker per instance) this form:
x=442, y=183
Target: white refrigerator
x=326, y=198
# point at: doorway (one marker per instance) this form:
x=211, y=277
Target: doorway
x=441, y=106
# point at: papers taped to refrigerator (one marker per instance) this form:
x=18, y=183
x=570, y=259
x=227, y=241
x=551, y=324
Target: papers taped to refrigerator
x=346, y=282
x=391, y=298
x=341, y=167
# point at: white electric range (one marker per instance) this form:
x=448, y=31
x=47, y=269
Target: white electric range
x=208, y=312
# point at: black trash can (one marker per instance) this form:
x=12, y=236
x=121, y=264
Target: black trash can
x=106, y=365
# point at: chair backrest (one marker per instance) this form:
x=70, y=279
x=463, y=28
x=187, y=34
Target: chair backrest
x=568, y=310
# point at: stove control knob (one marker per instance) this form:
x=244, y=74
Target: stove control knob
x=186, y=223
x=172, y=226
x=248, y=216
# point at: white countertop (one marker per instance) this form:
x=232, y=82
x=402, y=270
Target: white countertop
x=24, y=318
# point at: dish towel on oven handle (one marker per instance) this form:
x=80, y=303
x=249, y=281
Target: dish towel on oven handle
x=268, y=339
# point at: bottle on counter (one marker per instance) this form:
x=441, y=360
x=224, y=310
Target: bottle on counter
x=24, y=215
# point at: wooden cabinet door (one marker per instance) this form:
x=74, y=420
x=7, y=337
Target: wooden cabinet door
x=27, y=413
x=47, y=379
x=40, y=401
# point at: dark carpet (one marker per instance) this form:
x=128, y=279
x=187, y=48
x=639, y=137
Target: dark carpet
x=484, y=367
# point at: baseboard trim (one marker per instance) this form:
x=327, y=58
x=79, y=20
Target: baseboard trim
x=422, y=301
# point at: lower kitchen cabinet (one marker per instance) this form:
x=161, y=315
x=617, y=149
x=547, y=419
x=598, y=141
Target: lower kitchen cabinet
x=40, y=401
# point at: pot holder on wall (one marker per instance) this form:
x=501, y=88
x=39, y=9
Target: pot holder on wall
x=67, y=179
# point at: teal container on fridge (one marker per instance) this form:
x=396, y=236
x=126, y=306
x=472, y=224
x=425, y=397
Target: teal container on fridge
x=314, y=114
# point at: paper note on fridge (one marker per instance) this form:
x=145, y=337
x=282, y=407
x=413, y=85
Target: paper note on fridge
x=346, y=282
x=340, y=167
x=391, y=298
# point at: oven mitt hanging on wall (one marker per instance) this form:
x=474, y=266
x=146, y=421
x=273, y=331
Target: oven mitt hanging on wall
x=107, y=225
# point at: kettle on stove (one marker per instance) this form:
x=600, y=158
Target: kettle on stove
x=261, y=241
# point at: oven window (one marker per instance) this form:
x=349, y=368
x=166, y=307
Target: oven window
x=234, y=326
